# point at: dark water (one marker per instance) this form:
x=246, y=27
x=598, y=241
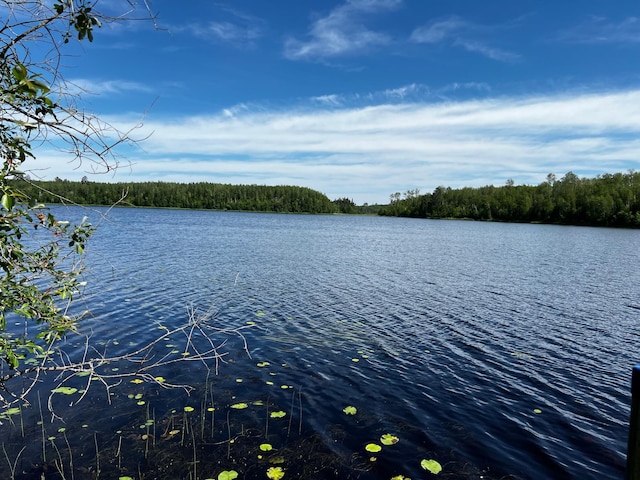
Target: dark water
x=462, y=332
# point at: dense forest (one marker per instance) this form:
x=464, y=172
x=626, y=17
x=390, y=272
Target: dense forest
x=203, y=195
x=607, y=200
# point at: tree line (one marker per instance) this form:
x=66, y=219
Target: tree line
x=213, y=196
x=611, y=200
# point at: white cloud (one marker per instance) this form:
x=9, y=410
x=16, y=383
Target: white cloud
x=369, y=152
x=232, y=27
x=105, y=87
x=601, y=30
x=342, y=32
x=454, y=31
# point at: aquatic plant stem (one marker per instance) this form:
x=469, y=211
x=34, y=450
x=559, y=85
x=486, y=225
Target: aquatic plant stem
x=300, y=405
x=12, y=466
x=195, y=457
x=60, y=466
x=229, y=431
x=118, y=452
x=44, y=433
x=293, y=398
x=64, y=434
x=95, y=441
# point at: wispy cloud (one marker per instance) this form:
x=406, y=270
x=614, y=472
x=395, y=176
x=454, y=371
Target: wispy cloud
x=368, y=152
x=454, y=31
x=342, y=32
x=603, y=30
x=105, y=87
x=234, y=27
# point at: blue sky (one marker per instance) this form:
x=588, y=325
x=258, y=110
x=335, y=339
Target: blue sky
x=364, y=98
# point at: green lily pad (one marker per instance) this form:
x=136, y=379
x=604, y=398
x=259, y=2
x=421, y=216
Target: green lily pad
x=373, y=447
x=275, y=473
x=389, y=439
x=266, y=447
x=227, y=475
x=65, y=390
x=349, y=410
x=239, y=406
x=278, y=414
x=188, y=409
x=12, y=411
x=432, y=466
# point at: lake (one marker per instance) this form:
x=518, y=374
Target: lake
x=502, y=351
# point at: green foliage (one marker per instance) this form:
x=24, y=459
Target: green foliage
x=345, y=205
x=611, y=200
x=39, y=267
x=213, y=196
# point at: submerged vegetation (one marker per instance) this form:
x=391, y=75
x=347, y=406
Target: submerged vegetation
x=147, y=432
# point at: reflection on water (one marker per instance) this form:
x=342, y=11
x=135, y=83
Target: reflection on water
x=495, y=349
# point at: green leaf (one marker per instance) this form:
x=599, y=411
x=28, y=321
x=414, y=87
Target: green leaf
x=12, y=360
x=349, y=410
x=373, y=447
x=239, y=406
x=278, y=414
x=389, y=439
x=65, y=390
x=266, y=447
x=227, y=475
x=7, y=202
x=431, y=466
x=275, y=473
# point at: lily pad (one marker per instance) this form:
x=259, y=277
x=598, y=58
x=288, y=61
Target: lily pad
x=373, y=447
x=350, y=410
x=227, y=475
x=432, y=466
x=12, y=411
x=389, y=439
x=239, y=406
x=65, y=390
x=266, y=447
x=278, y=414
x=275, y=473
x=188, y=409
